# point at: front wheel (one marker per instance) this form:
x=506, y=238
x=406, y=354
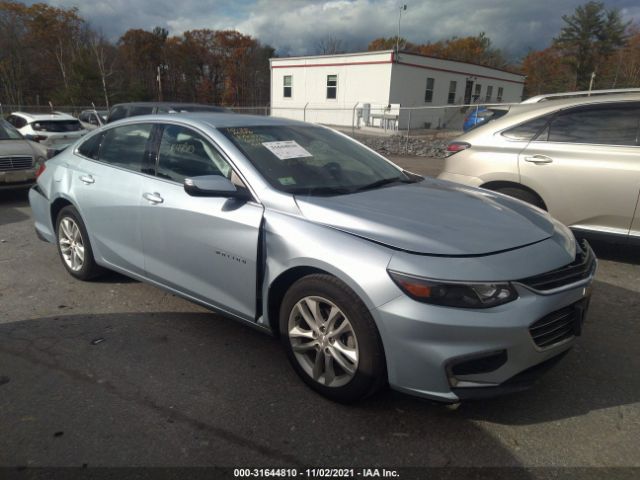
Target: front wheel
x=73, y=245
x=331, y=339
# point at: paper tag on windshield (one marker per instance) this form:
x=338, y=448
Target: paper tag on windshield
x=287, y=149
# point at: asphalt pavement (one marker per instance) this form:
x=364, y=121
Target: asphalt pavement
x=119, y=373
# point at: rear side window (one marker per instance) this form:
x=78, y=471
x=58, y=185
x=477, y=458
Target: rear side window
x=16, y=121
x=126, y=146
x=604, y=125
x=526, y=131
x=185, y=153
x=56, y=126
x=117, y=113
x=134, y=111
x=91, y=147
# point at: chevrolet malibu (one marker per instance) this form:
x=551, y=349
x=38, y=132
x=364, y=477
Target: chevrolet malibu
x=370, y=275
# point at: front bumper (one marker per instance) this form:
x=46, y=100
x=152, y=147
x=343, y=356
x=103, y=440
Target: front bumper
x=449, y=354
x=17, y=178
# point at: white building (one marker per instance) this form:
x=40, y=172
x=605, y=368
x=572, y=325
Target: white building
x=337, y=89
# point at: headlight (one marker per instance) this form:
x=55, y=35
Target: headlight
x=460, y=295
x=567, y=236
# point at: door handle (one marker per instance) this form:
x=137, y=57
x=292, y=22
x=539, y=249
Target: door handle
x=538, y=159
x=153, y=198
x=87, y=179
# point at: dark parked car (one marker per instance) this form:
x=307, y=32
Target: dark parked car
x=133, y=109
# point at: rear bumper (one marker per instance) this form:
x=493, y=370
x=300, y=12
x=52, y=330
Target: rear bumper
x=41, y=210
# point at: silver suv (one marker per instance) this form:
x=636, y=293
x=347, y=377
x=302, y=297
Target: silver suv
x=577, y=158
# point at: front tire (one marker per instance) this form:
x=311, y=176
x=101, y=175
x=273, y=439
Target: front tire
x=73, y=245
x=331, y=339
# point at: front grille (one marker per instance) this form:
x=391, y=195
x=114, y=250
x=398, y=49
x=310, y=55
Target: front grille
x=556, y=326
x=8, y=164
x=581, y=268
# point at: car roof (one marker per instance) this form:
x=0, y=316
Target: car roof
x=213, y=119
x=522, y=112
x=35, y=117
x=579, y=94
x=164, y=104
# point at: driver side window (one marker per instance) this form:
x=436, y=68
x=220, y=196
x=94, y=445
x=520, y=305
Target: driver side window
x=185, y=153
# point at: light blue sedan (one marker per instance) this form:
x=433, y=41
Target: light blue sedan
x=369, y=274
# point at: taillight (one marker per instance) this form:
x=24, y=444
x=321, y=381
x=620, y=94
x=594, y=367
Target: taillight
x=455, y=147
x=40, y=169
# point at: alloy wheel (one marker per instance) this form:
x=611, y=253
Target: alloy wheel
x=71, y=244
x=323, y=341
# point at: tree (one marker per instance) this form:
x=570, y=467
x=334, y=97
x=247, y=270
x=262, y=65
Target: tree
x=546, y=71
x=329, y=46
x=383, y=43
x=590, y=36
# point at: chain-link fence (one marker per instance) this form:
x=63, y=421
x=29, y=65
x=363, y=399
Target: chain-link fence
x=391, y=129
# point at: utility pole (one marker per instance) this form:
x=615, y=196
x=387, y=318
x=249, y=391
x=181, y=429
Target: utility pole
x=159, y=84
x=593, y=77
x=403, y=7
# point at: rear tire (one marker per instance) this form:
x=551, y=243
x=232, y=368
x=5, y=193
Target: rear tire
x=524, y=195
x=331, y=339
x=73, y=245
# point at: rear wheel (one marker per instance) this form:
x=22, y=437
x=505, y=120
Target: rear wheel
x=331, y=339
x=73, y=245
x=522, y=194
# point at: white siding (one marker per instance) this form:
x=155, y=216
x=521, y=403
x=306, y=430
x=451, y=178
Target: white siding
x=408, y=84
x=362, y=78
x=373, y=77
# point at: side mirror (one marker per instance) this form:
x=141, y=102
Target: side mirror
x=213, y=186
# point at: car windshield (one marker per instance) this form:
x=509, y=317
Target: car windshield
x=57, y=125
x=8, y=132
x=310, y=160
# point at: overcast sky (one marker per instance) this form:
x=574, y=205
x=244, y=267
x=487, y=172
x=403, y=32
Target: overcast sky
x=294, y=27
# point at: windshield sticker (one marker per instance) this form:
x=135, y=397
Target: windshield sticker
x=287, y=181
x=287, y=149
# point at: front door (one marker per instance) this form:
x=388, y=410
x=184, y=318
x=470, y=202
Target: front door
x=586, y=166
x=468, y=88
x=204, y=247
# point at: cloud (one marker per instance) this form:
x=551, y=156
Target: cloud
x=295, y=27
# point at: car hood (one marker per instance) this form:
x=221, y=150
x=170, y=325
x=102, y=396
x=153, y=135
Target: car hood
x=432, y=217
x=15, y=148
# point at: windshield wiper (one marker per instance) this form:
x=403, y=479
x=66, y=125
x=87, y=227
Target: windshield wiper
x=320, y=191
x=382, y=182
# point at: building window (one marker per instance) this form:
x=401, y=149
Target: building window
x=332, y=86
x=500, y=92
x=453, y=85
x=489, y=93
x=288, y=86
x=428, y=93
x=477, y=93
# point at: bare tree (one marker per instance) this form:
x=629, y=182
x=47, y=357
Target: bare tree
x=101, y=49
x=329, y=46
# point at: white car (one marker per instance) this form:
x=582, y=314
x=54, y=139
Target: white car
x=52, y=130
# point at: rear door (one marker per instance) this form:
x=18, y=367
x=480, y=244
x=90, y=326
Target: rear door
x=108, y=186
x=586, y=166
x=204, y=247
